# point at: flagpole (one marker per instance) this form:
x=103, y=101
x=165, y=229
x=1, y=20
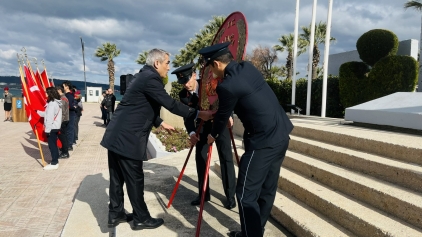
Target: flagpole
x=295, y=54
x=311, y=57
x=39, y=78
x=29, y=102
x=83, y=57
x=326, y=54
x=46, y=74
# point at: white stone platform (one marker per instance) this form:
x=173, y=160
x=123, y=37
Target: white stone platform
x=401, y=109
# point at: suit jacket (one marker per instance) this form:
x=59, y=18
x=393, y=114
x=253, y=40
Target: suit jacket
x=128, y=131
x=245, y=91
x=192, y=100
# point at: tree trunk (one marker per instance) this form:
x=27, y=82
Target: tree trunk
x=110, y=67
x=315, y=62
x=289, y=65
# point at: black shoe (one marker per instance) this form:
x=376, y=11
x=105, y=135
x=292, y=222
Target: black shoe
x=70, y=149
x=115, y=222
x=197, y=201
x=235, y=233
x=150, y=223
x=230, y=204
x=64, y=156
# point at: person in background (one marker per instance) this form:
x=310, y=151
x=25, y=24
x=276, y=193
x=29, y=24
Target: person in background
x=79, y=109
x=108, y=104
x=72, y=114
x=52, y=123
x=65, y=122
x=7, y=104
x=103, y=111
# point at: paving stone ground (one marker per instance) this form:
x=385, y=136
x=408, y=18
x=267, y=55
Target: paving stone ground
x=34, y=202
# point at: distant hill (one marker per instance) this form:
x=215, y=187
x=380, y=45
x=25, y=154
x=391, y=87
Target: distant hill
x=14, y=82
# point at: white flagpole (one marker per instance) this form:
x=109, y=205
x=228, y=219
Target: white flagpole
x=295, y=54
x=311, y=57
x=326, y=56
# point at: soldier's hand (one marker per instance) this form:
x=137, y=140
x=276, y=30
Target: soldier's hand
x=206, y=115
x=168, y=127
x=193, y=139
x=210, y=139
x=230, y=123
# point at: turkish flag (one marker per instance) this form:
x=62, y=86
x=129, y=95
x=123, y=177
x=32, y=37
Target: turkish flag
x=39, y=82
x=34, y=100
x=45, y=79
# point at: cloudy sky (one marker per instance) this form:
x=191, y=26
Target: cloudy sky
x=51, y=29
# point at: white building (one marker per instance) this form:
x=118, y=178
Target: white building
x=93, y=93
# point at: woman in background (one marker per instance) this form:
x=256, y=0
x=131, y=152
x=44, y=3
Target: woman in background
x=7, y=104
x=52, y=123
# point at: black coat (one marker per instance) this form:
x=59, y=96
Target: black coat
x=128, y=131
x=244, y=91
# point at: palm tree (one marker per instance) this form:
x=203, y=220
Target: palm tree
x=108, y=51
x=320, y=33
x=189, y=53
x=418, y=6
x=287, y=42
x=142, y=58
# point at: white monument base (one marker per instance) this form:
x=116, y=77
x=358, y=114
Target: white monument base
x=401, y=109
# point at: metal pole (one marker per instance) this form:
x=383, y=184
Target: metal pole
x=326, y=56
x=420, y=61
x=295, y=55
x=83, y=56
x=311, y=57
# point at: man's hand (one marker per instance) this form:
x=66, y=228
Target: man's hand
x=210, y=139
x=206, y=115
x=167, y=127
x=230, y=123
x=193, y=139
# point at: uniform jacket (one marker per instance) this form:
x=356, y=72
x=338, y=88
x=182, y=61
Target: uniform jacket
x=244, y=91
x=192, y=100
x=127, y=133
x=109, y=102
x=52, y=115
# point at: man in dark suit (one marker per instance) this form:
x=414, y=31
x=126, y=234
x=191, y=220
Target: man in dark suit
x=127, y=134
x=190, y=96
x=266, y=136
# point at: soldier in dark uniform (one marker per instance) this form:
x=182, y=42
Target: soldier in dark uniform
x=189, y=96
x=127, y=134
x=266, y=136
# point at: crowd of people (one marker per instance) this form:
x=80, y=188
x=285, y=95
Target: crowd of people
x=61, y=121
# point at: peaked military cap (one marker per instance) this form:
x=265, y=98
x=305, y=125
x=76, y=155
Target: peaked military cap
x=212, y=52
x=184, y=73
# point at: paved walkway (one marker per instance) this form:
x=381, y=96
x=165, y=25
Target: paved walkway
x=34, y=202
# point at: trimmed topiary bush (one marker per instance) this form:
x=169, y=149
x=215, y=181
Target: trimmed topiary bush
x=175, y=89
x=392, y=74
x=376, y=44
x=353, y=81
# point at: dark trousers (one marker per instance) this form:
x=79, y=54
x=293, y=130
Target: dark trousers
x=77, y=119
x=226, y=162
x=225, y=155
x=257, y=185
x=104, y=114
x=63, y=136
x=124, y=170
x=71, y=129
x=52, y=145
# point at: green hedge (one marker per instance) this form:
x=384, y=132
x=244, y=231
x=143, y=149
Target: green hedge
x=376, y=44
x=175, y=89
x=353, y=80
x=283, y=91
x=392, y=74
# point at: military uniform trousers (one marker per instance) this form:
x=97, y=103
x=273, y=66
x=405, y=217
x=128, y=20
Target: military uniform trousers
x=257, y=185
x=129, y=171
x=226, y=162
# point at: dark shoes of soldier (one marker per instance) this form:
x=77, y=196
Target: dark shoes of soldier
x=150, y=223
x=235, y=233
x=197, y=201
x=121, y=219
x=64, y=156
x=70, y=148
x=230, y=204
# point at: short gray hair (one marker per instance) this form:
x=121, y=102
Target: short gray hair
x=156, y=55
